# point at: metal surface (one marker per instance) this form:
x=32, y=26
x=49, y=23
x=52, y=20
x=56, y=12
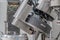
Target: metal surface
x=21, y=14
x=43, y=5
x=34, y=24
x=55, y=3
x=38, y=23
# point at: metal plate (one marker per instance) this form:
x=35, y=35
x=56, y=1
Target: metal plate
x=37, y=22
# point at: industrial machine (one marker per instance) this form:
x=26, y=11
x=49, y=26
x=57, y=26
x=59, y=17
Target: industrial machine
x=32, y=16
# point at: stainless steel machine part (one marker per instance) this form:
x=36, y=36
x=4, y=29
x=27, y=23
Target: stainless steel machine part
x=34, y=24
